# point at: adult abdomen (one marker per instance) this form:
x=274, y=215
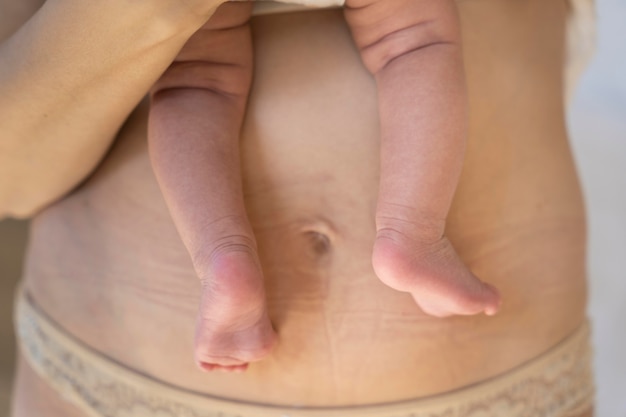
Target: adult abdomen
x=107, y=264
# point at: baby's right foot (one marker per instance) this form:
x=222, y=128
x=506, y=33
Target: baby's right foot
x=233, y=327
x=433, y=273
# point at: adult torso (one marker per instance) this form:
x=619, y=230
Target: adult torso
x=106, y=261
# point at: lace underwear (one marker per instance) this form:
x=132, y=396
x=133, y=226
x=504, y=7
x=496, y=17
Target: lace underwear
x=558, y=383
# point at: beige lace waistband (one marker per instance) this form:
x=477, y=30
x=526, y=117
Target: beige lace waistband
x=558, y=383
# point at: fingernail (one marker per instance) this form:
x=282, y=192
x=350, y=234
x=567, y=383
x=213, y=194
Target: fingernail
x=240, y=370
x=492, y=311
x=206, y=367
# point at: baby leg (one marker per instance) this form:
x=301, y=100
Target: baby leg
x=195, y=119
x=413, y=49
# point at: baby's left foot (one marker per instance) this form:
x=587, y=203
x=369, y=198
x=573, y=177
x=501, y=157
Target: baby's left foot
x=434, y=274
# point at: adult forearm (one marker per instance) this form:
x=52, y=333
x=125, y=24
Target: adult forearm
x=69, y=78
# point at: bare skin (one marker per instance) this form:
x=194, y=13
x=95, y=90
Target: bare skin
x=197, y=112
x=107, y=262
x=413, y=48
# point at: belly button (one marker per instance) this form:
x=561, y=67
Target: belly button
x=319, y=242
x=319, y=237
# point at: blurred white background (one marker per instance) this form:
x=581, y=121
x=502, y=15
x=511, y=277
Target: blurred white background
x=597, y=121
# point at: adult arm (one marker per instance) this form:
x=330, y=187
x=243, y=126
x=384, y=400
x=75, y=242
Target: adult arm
x=69, y=77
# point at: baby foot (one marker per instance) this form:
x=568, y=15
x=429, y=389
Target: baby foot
x=233, y=326
x=433, y=274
